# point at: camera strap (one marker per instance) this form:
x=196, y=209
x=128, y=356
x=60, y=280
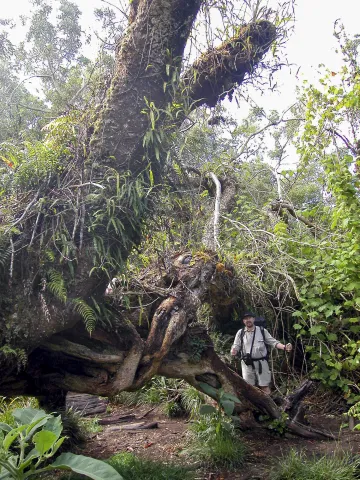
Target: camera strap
x=242, y=342
x=251, y=349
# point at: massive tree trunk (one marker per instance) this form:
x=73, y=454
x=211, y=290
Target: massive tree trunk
x=58, y=259
x=112, y=180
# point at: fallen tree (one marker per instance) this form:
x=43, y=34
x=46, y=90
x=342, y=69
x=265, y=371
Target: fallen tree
x=157, y=333
x=66, y=231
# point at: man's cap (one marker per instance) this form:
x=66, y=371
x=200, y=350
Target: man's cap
x=249, y=314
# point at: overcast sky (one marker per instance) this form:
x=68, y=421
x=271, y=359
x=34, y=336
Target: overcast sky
x=311, y=44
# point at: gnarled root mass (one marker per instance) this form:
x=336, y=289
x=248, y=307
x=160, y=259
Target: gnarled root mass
x=156, y=333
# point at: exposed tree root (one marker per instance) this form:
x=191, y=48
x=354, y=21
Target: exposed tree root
x=168, y=341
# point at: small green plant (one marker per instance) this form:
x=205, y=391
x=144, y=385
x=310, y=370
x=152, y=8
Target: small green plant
x=225, y=401
x=353, y=415
x=173, y=409
x=278, y=425
x=133, y=468
x=191, y=400
x=26, y=449
x=90, y=425
x=215, y=442
x=295, y=466
x=214, y=439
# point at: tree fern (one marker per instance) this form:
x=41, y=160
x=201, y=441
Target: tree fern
x=56, y=285
x=87, y=313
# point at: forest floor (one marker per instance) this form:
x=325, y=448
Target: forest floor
x=167, y=443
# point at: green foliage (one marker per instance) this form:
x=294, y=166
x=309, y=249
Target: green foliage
x=88, y=314
x=7, y=405
x=133, y=468
x=296, y=466
x=15, y=354
x=226, y=401
x=353, y=412
x=191, y=401
x=214, y=439
x=215, y=442
x=90, y=425
x=56, y=285
x=197, y=347
x=328, y=319
x=277, y=425
x=42, y=431
x=175, y=397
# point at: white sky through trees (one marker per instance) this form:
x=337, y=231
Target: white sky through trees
x=312, y=42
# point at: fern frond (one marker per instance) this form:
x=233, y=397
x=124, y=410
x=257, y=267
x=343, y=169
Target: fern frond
x=49, y=254
x=57, y=285
x=87, y=313
x=5, y=256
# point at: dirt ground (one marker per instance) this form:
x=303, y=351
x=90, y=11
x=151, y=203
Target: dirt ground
x=167, y=442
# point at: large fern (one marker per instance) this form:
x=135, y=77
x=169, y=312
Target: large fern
x=87, y=313
x=56, y=285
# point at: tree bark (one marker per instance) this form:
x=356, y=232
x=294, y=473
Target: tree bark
x=143, y=342
x=163, y=337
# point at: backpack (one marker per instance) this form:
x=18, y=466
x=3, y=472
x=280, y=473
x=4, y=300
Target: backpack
x=260, y=322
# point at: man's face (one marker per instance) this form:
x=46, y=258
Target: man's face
x=249, y=322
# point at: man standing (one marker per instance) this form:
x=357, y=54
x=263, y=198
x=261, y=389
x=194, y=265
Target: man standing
x=250, y=342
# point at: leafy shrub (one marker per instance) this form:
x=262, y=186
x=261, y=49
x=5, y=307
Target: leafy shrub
x=42, y=433
x=214, y=439
x=295, y=466
x=133, y=468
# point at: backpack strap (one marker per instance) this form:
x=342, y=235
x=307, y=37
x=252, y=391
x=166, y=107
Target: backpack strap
x=267, y=348
x=242, y=333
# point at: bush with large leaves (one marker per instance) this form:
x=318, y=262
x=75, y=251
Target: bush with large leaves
x=25, y=449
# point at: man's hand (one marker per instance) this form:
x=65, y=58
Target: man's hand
x=233, y=351
x=288, y=347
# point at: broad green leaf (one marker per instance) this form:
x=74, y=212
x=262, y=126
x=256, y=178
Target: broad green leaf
x=5, y=475
x=35, y=425
x=28, y=415
x=208, y=389
x=315, y=329
x=12, y=435
x=44, y=440
x=90, y=467
x=29, y=458
x=207, y=410
x=5, y=427
x=57, y=445
x=229, y=396
x=228, y=406
x=54, y=424
x=332, y=337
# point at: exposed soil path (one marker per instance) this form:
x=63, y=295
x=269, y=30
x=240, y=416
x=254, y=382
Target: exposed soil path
x=167, y=442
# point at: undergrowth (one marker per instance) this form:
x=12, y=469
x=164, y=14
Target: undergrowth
x=7, y=405
x=175, y=397
x=216, y=443
x=133, y=468
x=295, y=466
